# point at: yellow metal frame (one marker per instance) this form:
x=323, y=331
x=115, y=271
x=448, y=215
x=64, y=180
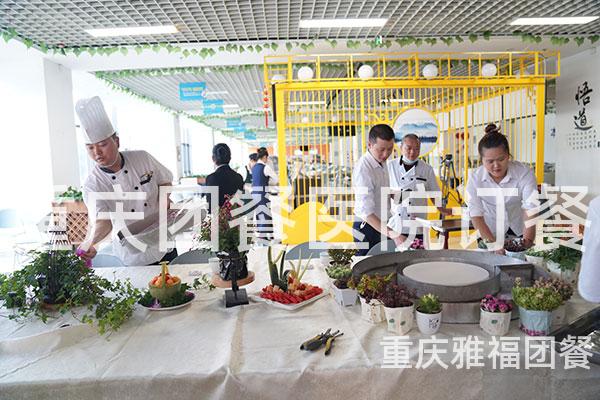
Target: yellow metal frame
x=518, y=74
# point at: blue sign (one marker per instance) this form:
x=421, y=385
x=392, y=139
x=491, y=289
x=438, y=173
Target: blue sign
x=192, y=91
x=249, y=135
x=213, y=106
x=234, y=122
x=240, y=128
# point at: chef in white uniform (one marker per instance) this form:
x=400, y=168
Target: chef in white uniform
x=131, y=172
x=409, y=174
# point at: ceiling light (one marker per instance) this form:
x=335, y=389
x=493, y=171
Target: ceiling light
x=231, y=106
x=554, y=21
x=132, y=31
x=343, y=23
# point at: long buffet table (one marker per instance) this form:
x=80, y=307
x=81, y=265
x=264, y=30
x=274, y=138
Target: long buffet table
x=206, y=351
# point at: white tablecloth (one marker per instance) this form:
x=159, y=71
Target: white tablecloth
x=206, y=351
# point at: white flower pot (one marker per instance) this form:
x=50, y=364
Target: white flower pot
x=372, y=312
x=566, y=275
x=344, y=297
x=535, y=260
x=324, y=258
x=534, y=322
x=428, y=323
x=399, y=319
x=559, y=316
x=495, y=323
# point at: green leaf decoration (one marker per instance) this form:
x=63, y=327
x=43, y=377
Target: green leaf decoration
x=459, y=39
x=418, y=42
x=487, y=35
x=447, y=41
x=185, y=53
x=579, y=40
x=221, y=48
x=274, y=46
x=593, y=39
x=156, y=48
x=139, y=50
x=258, y=48
x=124, y=50
x=77, y=51
x=473, y=37
x=28, y=43
x=288, y=46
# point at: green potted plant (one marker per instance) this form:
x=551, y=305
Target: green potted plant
x=228, y=252
x=535, y=307
x=536, y=256
x=565, y=289
x=398, y=305
x=429, y=314
x=341, y=275
x=562, y=262
x=495, y=315
x=515, y=248
x=341, y=257
x=58, y=281
x=369, y=288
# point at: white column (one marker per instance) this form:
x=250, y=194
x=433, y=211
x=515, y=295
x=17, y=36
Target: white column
x=177, y=136
x=61, y=124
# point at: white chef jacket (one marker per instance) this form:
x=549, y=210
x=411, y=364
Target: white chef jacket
x=141, y=173
x=269, y=173
x=589, y=276
x=518, y=176
x=419, y=178
x=372, y=175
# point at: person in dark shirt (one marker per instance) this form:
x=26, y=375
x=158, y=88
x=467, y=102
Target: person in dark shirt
x=253, y=159
x=224, y=178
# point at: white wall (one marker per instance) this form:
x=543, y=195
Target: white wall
x=24, y=155
x=576, y=166
x=61, y=123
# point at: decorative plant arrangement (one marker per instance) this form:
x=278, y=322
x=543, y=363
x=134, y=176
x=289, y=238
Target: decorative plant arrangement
x=286, y=285
x=562, y=262
x=369, y=288
x=495, y=315
x=70, y=194
x=166, y=291
x=565, y=290
x=515, y=248
x=59, y=281
x=535, y=307
x=429, y=314
x=398, y=303
x=231, y=260
x=536, y=257
x=341, y=257
x=417, y=244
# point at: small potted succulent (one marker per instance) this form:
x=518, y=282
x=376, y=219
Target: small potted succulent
x=495, y=315
x=342, y=294
x=429, y=314
x=562, y=262
x=341, y=257
x=369, y=288
x=535, y=307
x=536, y=257
x=398, y=306
x=565, y=289
x=515, y=248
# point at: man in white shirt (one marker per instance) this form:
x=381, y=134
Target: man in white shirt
x=408, y=175
x=129, y=172
x=589, y=276
x=370, y=175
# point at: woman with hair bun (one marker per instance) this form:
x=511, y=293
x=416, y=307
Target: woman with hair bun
x=224, y=178
x=499, y=171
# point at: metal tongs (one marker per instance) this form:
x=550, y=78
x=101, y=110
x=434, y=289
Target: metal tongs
x=326, y=338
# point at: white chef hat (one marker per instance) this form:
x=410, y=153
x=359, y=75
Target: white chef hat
x=94, y=121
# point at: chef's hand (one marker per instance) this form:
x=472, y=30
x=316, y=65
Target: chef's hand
x=501, y=252
x=86, y=254
x=527, y=243
x=398, y=239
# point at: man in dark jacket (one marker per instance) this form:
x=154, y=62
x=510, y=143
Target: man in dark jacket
x=226, y=179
